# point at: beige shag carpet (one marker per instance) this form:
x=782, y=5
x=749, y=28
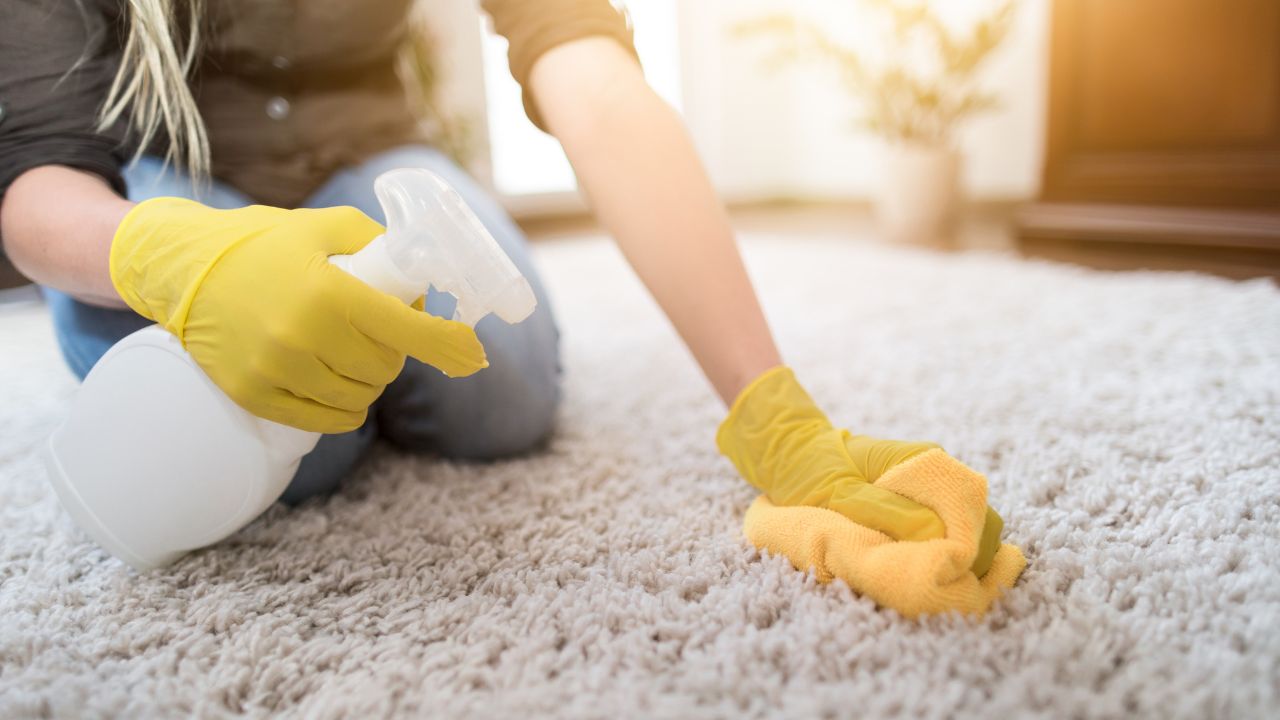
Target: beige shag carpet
x=1129, y=425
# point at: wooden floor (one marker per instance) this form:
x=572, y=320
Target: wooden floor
x=988, y=227
x=985, y=226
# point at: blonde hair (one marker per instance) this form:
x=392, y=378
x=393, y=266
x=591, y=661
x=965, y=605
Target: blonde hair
x=151, y=83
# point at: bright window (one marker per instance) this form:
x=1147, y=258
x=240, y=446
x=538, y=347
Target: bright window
x=528, y=162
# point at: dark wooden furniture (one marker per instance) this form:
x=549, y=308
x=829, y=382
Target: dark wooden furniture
x=1163, y=143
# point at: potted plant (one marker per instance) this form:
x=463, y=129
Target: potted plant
x=914, y=97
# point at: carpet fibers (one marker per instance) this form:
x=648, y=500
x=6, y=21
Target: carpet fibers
x=1129, y=425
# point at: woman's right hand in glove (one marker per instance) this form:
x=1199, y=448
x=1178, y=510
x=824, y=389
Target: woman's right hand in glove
x=252, y=296
x=784, y=445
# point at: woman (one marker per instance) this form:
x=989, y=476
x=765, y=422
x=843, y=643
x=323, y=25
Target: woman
x=297, y=107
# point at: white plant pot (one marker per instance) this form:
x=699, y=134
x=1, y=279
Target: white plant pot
x=917, y=197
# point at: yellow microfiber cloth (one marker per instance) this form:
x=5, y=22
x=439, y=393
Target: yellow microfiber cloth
x=912, y=577
x=902, y=523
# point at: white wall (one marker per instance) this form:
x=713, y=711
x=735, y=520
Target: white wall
x=791, y=133
x=763, y=135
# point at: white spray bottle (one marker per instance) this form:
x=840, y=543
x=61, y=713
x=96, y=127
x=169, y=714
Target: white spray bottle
x=154, y=460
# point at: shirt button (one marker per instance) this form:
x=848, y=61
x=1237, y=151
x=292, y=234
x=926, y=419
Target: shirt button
x=277, y=108
x=280, y=62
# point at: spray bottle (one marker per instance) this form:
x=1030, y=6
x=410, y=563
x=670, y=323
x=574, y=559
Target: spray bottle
x=185, y=466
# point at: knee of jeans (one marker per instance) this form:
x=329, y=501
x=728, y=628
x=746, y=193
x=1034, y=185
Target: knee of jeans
x=495, y=414
x=518, y=426
x=334, y=457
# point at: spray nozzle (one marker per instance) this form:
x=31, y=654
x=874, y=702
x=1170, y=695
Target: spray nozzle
x=433, y=238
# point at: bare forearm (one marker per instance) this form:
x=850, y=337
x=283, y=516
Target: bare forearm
x=642, y=175
x=57, y=224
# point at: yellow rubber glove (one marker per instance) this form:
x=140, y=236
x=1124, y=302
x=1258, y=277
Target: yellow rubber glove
x=287, y=335
x=784, y=445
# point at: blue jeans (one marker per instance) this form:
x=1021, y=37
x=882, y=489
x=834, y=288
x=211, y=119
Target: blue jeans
x=506, y=409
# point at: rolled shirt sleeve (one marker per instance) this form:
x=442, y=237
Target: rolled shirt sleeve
x=57, y=61
x=533, y=27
